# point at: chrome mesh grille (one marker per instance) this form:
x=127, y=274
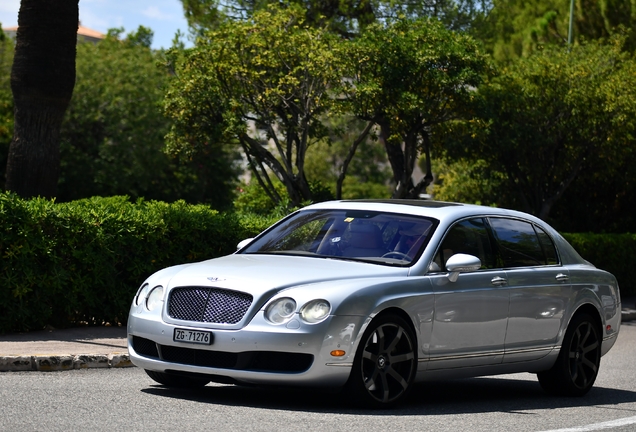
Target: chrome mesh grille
x=211, y=305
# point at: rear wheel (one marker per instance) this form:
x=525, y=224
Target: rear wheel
x=177, y=381
x=577, y=366
x=385, y=364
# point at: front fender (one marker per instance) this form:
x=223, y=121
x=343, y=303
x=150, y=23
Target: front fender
x=368, y=298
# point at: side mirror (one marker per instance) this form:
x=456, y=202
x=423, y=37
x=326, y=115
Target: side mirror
x=244, y=243
x=460, y=263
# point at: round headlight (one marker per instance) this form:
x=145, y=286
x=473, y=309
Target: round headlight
x=154, y=298
x=141, y=294
x=315, y=311
x=280, y=310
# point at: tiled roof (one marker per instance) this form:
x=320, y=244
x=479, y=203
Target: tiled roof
x=81, y=31
x=85, y=31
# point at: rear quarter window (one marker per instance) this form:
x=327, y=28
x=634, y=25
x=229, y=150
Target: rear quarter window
x=548, y=246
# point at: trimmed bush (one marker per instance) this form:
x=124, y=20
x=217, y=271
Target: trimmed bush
x=614, y=253
x=82, y=262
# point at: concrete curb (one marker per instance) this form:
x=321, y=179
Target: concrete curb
x=59, y=362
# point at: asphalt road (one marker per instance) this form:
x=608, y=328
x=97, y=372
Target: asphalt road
x=126, y=399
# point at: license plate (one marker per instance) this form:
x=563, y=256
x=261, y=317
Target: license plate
x=192, y=336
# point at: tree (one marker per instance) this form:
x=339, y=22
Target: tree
x=202, y=14
x=469, y=181
x=263, y=84
x=408, y=77
x=365, y=176
x=342, y=16
x=551, y=117
x=456, y=15
x=352, y=19
x=516, y=28
x=603, y=195
x=345, y=17
x=42, y=80
x=112, y=135
x=112, y=138
x=6, y=102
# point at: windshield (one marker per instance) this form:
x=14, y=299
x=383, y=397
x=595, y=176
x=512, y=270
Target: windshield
x=386, y=238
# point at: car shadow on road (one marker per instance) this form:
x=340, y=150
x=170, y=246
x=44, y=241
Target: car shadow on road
x=468, y=396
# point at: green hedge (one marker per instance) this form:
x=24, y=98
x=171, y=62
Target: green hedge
x=612, y=252
x=82, y=262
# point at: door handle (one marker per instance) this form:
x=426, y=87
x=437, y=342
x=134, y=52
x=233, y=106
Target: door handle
x=499, y=281
x=562, y=277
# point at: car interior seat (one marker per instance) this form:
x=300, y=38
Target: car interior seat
x=365, y=240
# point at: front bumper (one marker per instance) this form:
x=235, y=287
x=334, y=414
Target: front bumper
x=260, y=353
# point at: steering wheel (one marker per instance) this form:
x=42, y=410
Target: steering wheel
x=398, y=255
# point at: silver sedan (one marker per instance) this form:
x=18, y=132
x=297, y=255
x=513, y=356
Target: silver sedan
x=371, y=296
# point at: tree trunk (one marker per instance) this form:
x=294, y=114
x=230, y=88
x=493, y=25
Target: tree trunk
x=421, y=186
x=349, y=158
x=402, y=158
x=395, y=155
x=42, y=81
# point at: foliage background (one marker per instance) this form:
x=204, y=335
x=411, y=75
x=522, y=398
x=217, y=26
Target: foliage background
x=553, y=135
x=112, y=137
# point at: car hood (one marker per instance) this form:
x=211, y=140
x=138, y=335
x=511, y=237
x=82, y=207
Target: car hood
x=263, y=275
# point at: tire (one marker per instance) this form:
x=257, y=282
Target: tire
x=176, y=381
x=578, y=362
x=385, y=364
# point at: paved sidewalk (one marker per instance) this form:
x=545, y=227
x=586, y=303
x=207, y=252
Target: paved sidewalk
x=97, y=347
x=64, y=349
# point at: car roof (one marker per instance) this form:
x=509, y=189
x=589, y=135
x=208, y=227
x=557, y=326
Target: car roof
x=440, y=210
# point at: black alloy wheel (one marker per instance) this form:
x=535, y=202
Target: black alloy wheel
x=578, y=363
x=385, y=364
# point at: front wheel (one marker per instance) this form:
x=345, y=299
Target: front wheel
x=385, y=364
x=577, y=366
